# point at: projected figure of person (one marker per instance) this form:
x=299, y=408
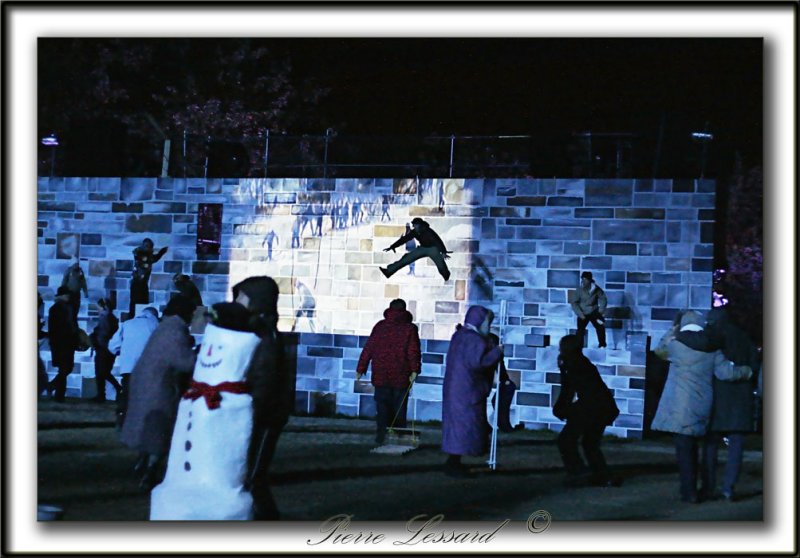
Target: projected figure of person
x=430, y=245
x=268, y=240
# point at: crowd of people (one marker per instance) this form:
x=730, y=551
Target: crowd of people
x=237, y=381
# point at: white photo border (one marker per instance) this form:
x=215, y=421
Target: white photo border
x=24, y=22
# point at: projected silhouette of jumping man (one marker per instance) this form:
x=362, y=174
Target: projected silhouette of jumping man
x=430, y=245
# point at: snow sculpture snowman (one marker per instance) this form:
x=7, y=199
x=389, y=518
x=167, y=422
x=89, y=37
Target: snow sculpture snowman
x=208, y=456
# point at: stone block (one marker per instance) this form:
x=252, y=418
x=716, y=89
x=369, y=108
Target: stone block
x=528, y=399
x=100, y=268
x=564, y=201
x=683, y=185
x=152, y=224
x=127, y=207
x=596, y=262
x=628, y=231
x=621, y=248
x=703, y=200
x=563, y=279
x=137, y=189
x=605, y=192
x=555, y=233
x=637, y=277
x=565, y=262
x=702, y=264
x=639, y=213
x=526, y=200
x=579, y=248
x=210, y=267
x=447, y=307
x=165, y=207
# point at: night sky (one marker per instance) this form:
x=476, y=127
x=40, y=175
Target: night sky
x=543, y=86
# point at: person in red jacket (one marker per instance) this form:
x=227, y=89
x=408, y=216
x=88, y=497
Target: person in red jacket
x=393, y=348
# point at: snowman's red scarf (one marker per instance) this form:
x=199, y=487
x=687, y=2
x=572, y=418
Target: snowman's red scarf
x=213, y=394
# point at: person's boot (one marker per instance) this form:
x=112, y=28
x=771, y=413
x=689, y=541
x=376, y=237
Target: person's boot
x=386, y=272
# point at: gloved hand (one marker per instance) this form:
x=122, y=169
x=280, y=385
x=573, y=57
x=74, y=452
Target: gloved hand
x=387, y=249
x=358, y=375
x=412, y=377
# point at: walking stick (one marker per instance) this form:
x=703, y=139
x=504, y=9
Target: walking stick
x=493, y=447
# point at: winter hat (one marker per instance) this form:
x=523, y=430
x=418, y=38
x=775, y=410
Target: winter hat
x=180, y=306
x=263, y=294
x=692, y=318
x=418, y=221
x=587, y=275
x=476, y=315
x=231, y=315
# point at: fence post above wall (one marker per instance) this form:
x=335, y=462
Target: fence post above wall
x=452, y=151
x=266, y=154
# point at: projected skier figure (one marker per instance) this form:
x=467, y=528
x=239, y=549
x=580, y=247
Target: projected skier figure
x=430, y=245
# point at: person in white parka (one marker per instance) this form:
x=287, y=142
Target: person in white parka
x=208, y=460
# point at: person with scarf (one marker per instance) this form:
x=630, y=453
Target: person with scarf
x=469, y=372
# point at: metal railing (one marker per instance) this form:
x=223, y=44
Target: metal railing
x=332, y=155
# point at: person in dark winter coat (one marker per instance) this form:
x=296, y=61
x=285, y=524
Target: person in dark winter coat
x=185, y=286
x=587, y=417
x=733, y=409
x=270, y=385
x=143, y=260
x=471, y=360
x=686, y=402
x=430, y=245
x=159, y=378
x=75, y=281
x=107, y=325
x=62, y=330
x=394, y=350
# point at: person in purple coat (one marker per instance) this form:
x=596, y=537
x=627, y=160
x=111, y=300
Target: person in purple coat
x=471, y=360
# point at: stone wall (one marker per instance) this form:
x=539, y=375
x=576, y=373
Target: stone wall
x=648, y=243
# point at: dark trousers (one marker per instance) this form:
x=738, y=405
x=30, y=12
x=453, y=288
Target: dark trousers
x=140, y=294
x=103, y=363
x=389, y=402
x=686, y=452
x=589, y=431
x=122, y=400
x=599, y=326
x=733, y=463
x=264, y=506
x=59, y=383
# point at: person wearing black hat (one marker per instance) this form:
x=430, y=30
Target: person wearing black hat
x=589, y=304
x=430, y=245
x=269, y=382
x=107, y=325
x=63, y=333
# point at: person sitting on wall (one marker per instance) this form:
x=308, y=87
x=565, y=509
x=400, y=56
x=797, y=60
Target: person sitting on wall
x=587, y=417
x=394, y=350
x=143, y=260
x=589, y=304
x=430, y=245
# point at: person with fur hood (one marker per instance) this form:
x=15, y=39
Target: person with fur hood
x=686, y=402
x=469, y=372
x=393, y=348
